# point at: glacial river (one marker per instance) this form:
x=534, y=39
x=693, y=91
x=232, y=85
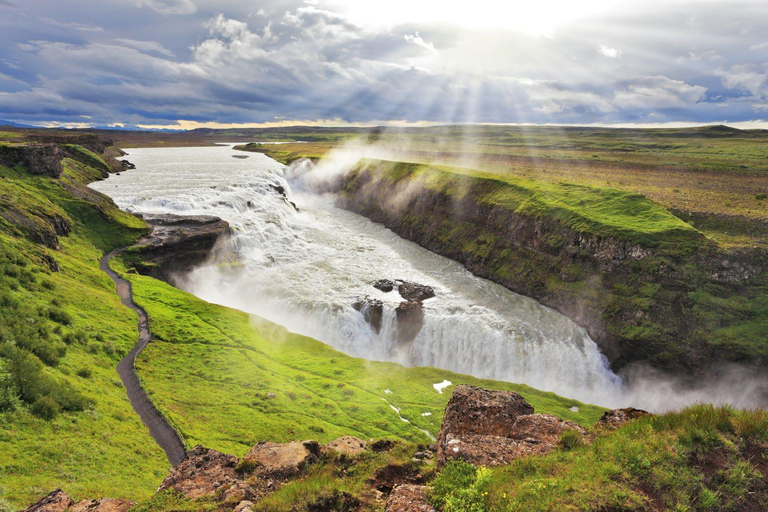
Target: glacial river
x=304, y=270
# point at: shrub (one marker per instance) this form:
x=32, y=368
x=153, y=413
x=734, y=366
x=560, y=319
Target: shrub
x=46, y=408
x=60, y=316
x=456, y=475
x=761, y=197
x=84, y=373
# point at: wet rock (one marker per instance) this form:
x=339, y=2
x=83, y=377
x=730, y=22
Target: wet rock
x=410, y=320
x=125, y=165
x=347, y=445
x=409, y=498
x=56, y=501
x=282, y=460
x=615, y=418
x=202, y=473
x=178, y=243
x=102, y=505
x=492, y=428
x=390, y=476
x=415, y=292
x=385, y=285
x=372, y=310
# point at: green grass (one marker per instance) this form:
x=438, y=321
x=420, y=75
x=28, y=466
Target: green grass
x=69, y=330
x=598, y=211
x=702, y=458
x=212, y=371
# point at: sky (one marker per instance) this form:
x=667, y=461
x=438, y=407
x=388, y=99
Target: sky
x=220, y=63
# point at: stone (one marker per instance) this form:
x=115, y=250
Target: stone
x=56, y=501
x=613, y=419
x=372, y=310
x=409, y=498
x=410, y=319
x=390, y=476
x=348, y=445
x=244, y=506
x=385, y=285
x=415, y=292
x=202, y=472
x=282, y=460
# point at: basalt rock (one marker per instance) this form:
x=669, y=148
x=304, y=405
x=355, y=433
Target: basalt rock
x=178, y=243
x=281, y=461
x=409, y=498
x=415, y=292
x=390, y=476
x=492, y=428
x=611, y=420
x=102, y=505
x=410, y=320
x=348, y=445
x=372, y=310
x=203, y=472
x=56, y=501
x=39, y=159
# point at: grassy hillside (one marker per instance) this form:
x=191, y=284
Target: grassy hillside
x=702, y=458
x=253, y=381
x=64, y=417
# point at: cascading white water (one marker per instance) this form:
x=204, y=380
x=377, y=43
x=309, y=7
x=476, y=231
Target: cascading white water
x=304, y=270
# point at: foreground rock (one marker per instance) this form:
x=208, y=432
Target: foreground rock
x=59, y=501
x=56, y=501
x=281, y=461
x=205, y=472
x=348, y=445
x=409, y=498
x=178, y=243
x=493, y=428
x=611, y=420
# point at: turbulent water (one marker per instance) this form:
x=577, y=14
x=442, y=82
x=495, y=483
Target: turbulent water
x=304, y=269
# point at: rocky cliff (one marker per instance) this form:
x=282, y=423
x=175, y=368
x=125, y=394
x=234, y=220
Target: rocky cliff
x=642, y=295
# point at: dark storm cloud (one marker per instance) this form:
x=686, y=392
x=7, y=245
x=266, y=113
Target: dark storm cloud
x=158, y=61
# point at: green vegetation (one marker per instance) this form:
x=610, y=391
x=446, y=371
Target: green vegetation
x=702, y=458
x=58, y=428
x=254, y=381
x=602, y=212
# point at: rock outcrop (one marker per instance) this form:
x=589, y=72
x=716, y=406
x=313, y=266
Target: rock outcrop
x=613, y=419
x=56, y=501
x=409, y=313
x=203, y=472
x=177, y=243
x=409, y=498
x=281, y=461
x=348, y=445
x=59, y=501
x=493, y=428
x=39, y=159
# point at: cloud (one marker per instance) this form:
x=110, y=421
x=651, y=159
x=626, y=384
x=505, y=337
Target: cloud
x=607, y=51
x=746, y=77
x=169, y=6
x=145, y=46
x=418, y=41
x=81, y=27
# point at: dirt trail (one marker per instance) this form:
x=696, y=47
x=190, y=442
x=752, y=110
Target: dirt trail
x=159, y=428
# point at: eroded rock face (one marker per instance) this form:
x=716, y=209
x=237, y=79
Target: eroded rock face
x=392, y=475
x=410, y=320
x=409, y=498
x=348, y=445
x=493, y=428
x=178, y=243
x=39, y=159
x=372, y=310
x=56, y=501
x=202, y=473
x=282, y=460
x=615, y=418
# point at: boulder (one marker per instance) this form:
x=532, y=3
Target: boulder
x=410, y=319
x=372, y=310
x=102, y=505
x=282, y=460
x=385, y=285
x=203, y=472
x=409, y=498
x=493, y=428
x=348, y=445
x=611, y=420
x=56, y=501
x=415, y=292
x=244, y=506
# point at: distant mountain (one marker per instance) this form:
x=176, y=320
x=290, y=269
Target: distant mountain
x=3, y=122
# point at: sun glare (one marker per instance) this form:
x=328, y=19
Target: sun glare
x=538, y=18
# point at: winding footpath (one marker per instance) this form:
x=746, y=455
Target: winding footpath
x=159, y=428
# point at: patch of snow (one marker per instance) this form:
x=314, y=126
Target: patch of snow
x=387, y=391
x=426, y=414
x=440, y=386
x=574, y=409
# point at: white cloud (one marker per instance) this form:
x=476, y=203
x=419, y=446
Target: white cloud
x=74, y=26
x=607, y=51
x=169, y=6
x=418, y=41
x=146, y=46
x=747, y=78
